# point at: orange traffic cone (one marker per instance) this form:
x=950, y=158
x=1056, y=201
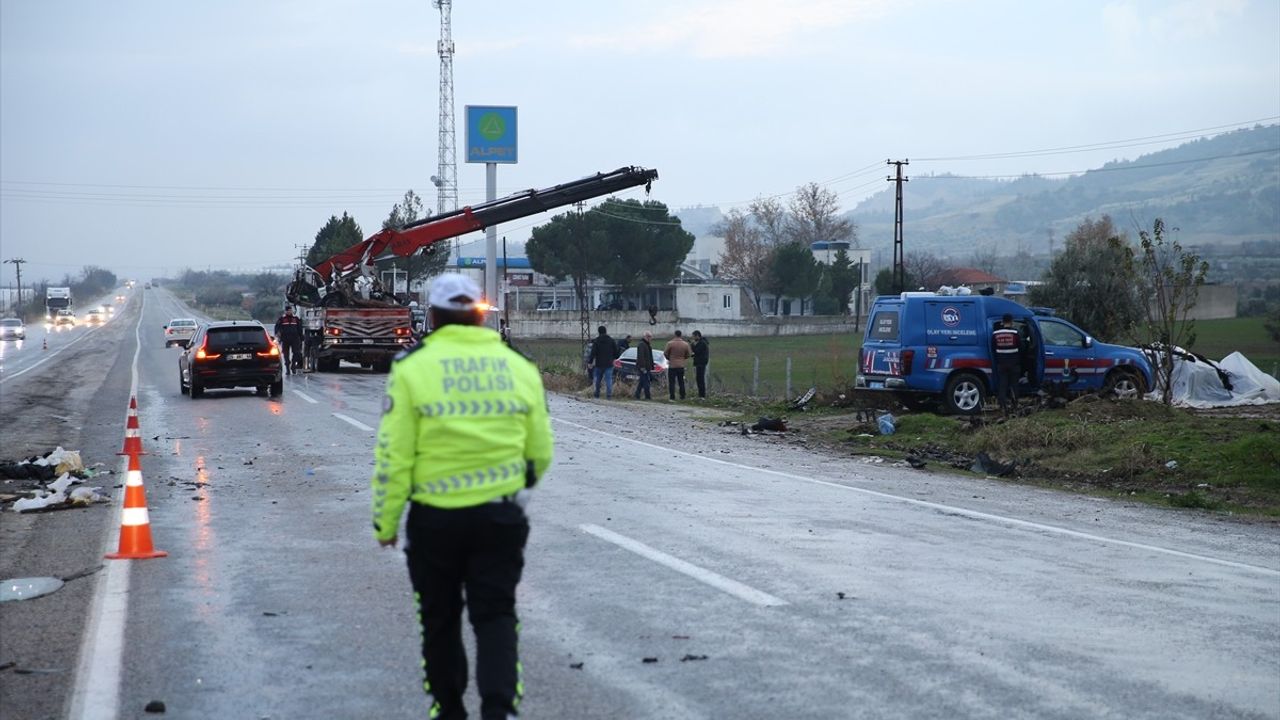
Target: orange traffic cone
x=135, y=524
x=132, y=433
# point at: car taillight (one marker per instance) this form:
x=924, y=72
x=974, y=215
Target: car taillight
x=274, y=351
x=617, y=363
x=204, y=354
x=333, y=331
x=403, y=331
x=907, y=357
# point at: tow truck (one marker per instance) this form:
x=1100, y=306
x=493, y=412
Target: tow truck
x=345, y=312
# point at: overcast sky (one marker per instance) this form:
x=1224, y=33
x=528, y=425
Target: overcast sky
x=151, y=136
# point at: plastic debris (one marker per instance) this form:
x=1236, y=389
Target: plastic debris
x=885, y=422
x=41, y=500
x=1172, y=464
x=70, y=462
x=27, y=588
x=62, y=483
x=82, y=496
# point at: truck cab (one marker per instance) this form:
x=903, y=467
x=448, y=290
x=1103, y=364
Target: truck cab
x=926, y=347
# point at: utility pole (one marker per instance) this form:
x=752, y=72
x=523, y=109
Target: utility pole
x=899, y=269
x=17, y=266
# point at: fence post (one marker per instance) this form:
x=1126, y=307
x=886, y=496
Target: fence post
x=787, y=397
x=755, y=378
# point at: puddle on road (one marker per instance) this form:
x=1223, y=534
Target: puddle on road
x=27, y=588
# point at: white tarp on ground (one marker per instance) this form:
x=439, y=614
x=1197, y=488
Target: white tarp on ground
x=1199, y=384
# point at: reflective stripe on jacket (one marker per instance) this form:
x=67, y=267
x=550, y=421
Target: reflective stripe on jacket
x=462, y=417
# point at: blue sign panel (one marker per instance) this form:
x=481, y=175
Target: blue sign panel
x=491, y=134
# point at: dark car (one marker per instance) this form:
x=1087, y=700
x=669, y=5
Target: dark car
x=230, y=355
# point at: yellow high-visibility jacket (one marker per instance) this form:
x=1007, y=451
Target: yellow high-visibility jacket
x=463, y=417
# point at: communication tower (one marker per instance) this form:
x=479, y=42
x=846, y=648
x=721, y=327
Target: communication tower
x=446, y=177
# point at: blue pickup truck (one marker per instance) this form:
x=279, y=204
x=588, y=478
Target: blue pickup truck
x=925, y=347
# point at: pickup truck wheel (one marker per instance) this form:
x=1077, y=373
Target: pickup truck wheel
x=964, y=394
x=326, y=365
x=1124, y=385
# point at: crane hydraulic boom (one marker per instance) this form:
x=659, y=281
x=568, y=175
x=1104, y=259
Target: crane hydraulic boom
x=424, y=233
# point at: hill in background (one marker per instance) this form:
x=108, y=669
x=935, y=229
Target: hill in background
x=1217, y=191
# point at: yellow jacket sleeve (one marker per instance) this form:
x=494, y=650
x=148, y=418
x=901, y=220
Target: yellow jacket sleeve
x=394, y=457
x=538, y=438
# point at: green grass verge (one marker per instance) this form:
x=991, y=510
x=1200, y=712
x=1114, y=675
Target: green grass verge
x=1215, y=339
x=1122, y=448
x=824, y=361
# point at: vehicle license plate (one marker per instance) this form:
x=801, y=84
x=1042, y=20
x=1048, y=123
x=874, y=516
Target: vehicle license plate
x=239, y=356
x=368, y=341
x=876, y=385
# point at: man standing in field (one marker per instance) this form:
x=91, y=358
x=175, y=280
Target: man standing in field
x=678, y=353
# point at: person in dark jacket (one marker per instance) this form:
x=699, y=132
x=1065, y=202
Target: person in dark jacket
x=701, y=356
x=289, y=334
x=644, y=366
x=604, y=350
x=1006, y=343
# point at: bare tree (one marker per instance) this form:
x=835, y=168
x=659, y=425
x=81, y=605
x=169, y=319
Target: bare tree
x=815, y=217
x=747, y=257
x=985, y=259
x=925, y=268
x=1170, y=278
x=769, y=217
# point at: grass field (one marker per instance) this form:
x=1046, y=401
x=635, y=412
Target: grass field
x=824, y=361
x=1215, y=339
x=830, y=361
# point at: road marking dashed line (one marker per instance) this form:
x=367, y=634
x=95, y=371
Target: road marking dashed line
x=305, y=396
x=978, y=515
x=715, y=580
x=352, y=421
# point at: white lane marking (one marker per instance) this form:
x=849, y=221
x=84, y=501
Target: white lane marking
x=948, y=508
x=48, y=357
x=96, y=695
x=305, y=396
x=353, y=421
x=715, y=580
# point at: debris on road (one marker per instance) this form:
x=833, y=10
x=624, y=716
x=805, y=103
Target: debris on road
x=770, y=424
x=985, y=464
x=155, y=706
x=649, y=660
x=804, y=399
x=576, y=666
x=689, y=658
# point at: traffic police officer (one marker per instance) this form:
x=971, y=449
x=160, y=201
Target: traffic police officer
x=464, y=432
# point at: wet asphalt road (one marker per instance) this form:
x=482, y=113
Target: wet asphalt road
x=764, y=581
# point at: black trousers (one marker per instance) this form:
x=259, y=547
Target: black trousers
x=291, y=353
x=479, y=550
x=676, y=375
x=1007, y=374
x=700, y=375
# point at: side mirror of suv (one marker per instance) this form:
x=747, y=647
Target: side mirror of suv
x=185, y=343
x=164, y=327
x=1088, y=341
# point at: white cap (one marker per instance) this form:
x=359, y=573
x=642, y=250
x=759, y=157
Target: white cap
x=452, y=291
